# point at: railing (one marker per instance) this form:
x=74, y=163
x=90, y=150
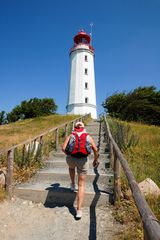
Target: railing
x=10, y=151
x=151, y=225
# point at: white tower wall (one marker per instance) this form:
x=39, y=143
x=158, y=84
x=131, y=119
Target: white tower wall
x=82, y=95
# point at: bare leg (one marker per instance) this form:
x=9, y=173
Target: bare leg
x=81, y=190
x=72, y=175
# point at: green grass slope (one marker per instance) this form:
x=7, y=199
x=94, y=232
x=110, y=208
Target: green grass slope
x=14, y=133
x=144, y=161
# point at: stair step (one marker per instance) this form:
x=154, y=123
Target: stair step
x=93, y=125
x=62, y=164
x=57, y=194
x=102, y=150
x=63, y=175
x=60, y=155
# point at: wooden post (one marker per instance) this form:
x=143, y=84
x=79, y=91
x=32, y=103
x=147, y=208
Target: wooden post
x=41, y=140
x=40, y=148
x=41, y=143
x=66, y=130
x=145, y=234
x=23, y=153
x=57, y=138
x=10, y=160
x=111, y=154
x=117, y=180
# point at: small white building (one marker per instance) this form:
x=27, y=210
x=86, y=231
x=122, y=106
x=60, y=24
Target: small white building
x=82, y=93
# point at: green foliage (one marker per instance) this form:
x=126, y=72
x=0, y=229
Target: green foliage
x=15, y=115
x=2, y=117
x=35, y=107
x=141, y=104
x=111, y=105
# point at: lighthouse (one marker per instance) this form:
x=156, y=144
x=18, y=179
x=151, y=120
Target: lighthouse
x=82, y=92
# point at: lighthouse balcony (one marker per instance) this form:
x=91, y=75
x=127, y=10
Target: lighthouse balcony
x=82, y=46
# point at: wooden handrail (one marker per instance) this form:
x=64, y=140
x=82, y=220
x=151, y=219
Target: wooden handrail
x=44, y=133
x=151, y=225
x=10, y=151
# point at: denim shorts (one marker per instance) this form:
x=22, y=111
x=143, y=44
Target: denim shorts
x=80, y=163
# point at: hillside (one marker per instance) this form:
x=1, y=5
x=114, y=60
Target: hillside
x=144, y=161
x=144, y=158
x=19, y=131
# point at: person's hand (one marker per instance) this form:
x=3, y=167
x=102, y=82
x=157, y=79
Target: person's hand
x=95, y=163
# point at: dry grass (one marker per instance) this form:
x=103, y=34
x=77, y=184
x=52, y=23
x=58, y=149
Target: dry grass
x=2, y=194
x=126, y=213
x=20, y=131
x=144, y=160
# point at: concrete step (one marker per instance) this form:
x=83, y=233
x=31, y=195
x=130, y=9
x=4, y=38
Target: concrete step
x=101, y=149
x=97, y=139
x=93, y=133
x=60, y=194
x=92, y=124
x=49, y=175
x=62, y=164
x=56, y=156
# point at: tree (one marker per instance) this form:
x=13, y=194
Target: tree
x=111, y=106
x=14, y=115
x=2, y=117
x=142, y=104
x=35, y=107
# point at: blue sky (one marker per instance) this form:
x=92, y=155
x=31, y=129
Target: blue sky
x=36, y=36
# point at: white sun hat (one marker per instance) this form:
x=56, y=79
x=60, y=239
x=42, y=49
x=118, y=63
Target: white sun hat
x=79, y=124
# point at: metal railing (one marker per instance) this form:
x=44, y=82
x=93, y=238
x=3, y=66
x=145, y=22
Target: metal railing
x=151, y=225
x=10, y=151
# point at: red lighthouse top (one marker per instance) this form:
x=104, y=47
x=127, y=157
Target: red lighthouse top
x=82, y=38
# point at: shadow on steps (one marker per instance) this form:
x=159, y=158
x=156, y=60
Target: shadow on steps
x=93, y=222
x=66, y=198
x=59, y=201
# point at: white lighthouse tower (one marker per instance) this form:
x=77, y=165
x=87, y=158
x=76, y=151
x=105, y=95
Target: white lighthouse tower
x=82, y=94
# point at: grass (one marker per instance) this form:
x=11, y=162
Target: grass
x=127, y=214
x=2, y=194
x=14, y=133
x=144, y=161
x=144, y=158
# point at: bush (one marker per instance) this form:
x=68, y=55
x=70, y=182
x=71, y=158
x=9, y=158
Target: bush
x=141, y=104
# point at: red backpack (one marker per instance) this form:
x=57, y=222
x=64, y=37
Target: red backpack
x=78, y=144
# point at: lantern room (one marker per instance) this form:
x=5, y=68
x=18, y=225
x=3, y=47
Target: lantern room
x=82, y=37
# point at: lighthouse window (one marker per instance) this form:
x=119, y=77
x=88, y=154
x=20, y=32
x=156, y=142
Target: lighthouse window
x=86, y=100
x=86, y=85
x=86, y=58
x=84, y=40
x=86, y=71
